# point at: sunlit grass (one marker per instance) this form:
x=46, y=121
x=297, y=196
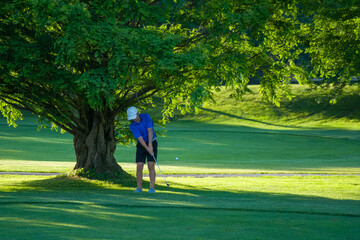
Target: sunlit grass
x=330, y=187
x=35, y=166
x=309, y=109
x=206, y=148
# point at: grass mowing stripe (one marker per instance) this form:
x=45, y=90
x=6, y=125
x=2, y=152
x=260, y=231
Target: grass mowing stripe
x=257, y=175
x=201, y=175
x=295, y=134
x=32, y=173
x=119, y=205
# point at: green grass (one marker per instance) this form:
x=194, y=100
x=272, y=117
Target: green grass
x=307, y=109
x=201, y=148
x=306, y=135
x=207, y=208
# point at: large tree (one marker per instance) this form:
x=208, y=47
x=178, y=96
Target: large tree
x=80, y=64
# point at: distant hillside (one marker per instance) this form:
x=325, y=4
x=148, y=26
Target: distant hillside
x=306, y=109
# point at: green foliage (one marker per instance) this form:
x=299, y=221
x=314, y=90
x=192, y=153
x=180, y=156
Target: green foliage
x=68, y=60
x=332, y=39
x=10, y=113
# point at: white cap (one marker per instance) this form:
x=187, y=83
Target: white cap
x=131, y=113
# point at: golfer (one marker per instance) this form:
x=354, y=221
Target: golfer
x=142, y=127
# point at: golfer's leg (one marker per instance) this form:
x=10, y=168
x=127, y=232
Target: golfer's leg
x=139, y=174
x=152, y=174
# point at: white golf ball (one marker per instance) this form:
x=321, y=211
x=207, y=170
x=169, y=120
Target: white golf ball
x=177, y=158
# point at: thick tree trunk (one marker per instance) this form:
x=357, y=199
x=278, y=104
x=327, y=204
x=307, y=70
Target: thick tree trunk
x=95, y=148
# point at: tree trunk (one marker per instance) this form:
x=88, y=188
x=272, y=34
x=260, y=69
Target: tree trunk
x=95, y=148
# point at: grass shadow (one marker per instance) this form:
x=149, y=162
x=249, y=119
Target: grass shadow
x=70, y=208
x=119, y=192
x=347, y=106
x=242, y=118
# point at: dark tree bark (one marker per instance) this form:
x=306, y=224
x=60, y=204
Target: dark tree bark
x=95, y=148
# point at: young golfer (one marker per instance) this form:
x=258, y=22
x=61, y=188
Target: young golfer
x=142, y=127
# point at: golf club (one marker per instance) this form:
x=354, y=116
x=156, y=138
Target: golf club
x=160, y=171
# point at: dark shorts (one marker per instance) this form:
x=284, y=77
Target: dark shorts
x=142, y=154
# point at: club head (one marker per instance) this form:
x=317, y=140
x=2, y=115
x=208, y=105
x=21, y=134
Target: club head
x=168, y=184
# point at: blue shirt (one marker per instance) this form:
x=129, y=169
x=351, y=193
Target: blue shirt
x=140, y=129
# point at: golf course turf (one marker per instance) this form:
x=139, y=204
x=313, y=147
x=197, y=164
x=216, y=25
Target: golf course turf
x=206, y=208
x=267, y=207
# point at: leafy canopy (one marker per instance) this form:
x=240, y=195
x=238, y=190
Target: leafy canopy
x=65, y=59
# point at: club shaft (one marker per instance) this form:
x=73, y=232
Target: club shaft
x=160, y=171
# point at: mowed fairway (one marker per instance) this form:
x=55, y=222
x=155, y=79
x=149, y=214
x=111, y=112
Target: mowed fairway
x=200, y=148
x=206, y=208
x=268, y=207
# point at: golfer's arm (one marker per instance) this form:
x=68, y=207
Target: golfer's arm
x=150, y=134
x=143, y=143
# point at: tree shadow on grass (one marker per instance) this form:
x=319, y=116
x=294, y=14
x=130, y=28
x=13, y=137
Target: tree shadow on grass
x=75, y=208
x=119, y=193
x=240, y=117
x=348, y=106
